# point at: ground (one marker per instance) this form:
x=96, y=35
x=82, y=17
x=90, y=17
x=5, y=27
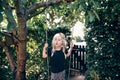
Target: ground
x=76, y=75
x=80, y=77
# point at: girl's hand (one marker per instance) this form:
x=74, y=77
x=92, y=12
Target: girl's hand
x=46, y=45
x=70, y=49
x=71, y=44
x=44, y=55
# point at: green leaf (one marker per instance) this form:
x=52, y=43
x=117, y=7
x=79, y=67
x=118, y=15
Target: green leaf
x=86, y=19
x=95, y=3
x=1, y=17
x=1, y=9
x=1, y=6
x=96, y=15
x=10, y=19
x=91, y=16
x=9, y=27
x=24, y=2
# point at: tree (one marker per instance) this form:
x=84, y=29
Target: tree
x=17, y=34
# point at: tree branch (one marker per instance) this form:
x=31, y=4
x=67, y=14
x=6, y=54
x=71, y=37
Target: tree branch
x=10, y=59
x=10, y=37
x=45, y=4
x=19, y=7
x=35, y=14
x=2, y=44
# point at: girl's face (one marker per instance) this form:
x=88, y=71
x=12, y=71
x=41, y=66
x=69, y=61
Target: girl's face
x=58, y=41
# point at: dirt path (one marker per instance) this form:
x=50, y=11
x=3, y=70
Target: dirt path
x=81, y=77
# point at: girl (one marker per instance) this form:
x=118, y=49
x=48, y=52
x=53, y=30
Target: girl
x=57, y=56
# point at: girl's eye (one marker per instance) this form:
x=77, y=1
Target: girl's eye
x=55, y=39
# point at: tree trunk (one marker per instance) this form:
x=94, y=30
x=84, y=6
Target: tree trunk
x=21, y=50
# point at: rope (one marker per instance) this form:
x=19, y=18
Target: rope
x=47, y=57
x=70, y=56
x=46, y=34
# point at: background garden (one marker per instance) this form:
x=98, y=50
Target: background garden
x=23, y=25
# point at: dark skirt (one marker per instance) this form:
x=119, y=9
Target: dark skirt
x=58, y=76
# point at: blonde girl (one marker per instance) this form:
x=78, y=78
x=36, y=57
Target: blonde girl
x=57, y=54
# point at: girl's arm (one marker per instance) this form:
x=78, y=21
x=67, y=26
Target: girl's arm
x=70, y=49
x=69, y=52
x=44, y=55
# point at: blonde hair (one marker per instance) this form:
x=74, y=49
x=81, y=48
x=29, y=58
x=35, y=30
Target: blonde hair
x=64, y=42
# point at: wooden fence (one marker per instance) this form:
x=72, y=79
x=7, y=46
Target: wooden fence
x=78, y=59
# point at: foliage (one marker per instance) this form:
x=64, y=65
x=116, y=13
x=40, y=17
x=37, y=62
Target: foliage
x=102, y=37
x=5, y=71
x=35, y=64
x=1, y=9
x=65, y=14
x=6, y=14
x=93, y=75
x=78, y=39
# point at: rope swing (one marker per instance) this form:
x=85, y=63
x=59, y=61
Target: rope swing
x=70, y=55
x=46, y=34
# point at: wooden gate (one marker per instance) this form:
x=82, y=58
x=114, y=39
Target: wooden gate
x=78, y=59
